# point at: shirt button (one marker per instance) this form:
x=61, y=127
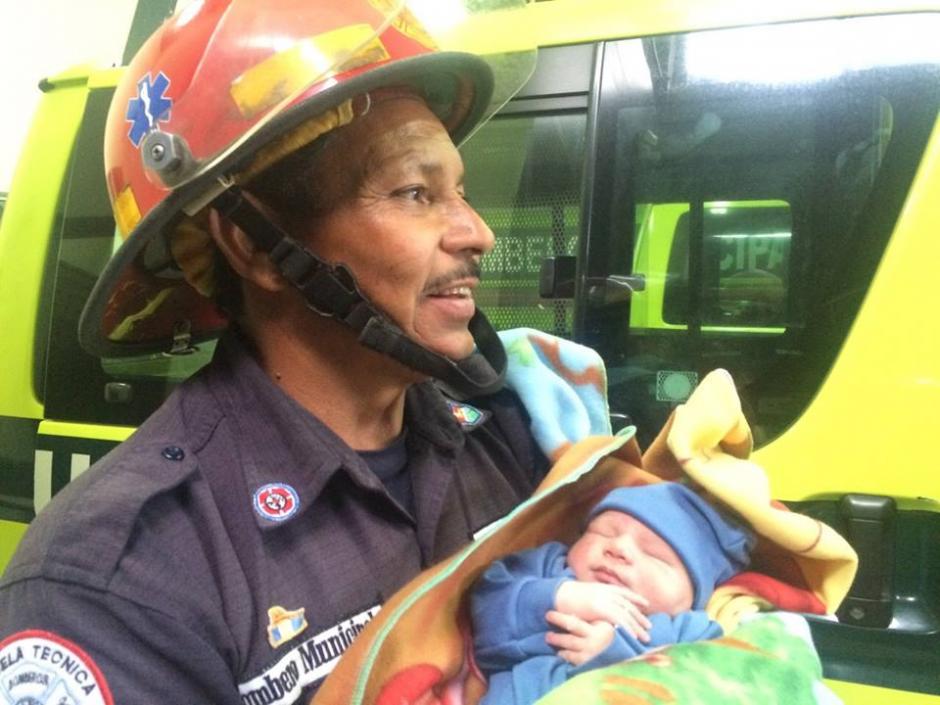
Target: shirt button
x=173, y=453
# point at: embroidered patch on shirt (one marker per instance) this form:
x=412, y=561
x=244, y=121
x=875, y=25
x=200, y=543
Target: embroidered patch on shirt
x=276, y=501
x=284, y=625
x=467, y=416
x=41, y=667
x=306, y=664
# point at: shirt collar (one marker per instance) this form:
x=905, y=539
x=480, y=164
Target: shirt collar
x=286, y=453
x=281, y=446
x=428, y=415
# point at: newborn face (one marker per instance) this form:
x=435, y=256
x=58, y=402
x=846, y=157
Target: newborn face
x=618, y=549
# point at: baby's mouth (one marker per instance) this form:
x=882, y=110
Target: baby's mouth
x=606, y=575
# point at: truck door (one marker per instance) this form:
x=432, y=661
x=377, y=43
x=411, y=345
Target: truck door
x=739, y=189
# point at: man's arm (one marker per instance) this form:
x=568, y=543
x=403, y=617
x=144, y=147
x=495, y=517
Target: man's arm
x=92, y=642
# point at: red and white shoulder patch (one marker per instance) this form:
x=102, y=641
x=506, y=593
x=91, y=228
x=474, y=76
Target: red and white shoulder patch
x=43, y=668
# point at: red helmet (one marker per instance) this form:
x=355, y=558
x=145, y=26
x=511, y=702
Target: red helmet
x=222, y=81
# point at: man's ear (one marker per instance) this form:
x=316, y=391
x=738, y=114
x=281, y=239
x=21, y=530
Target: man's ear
x=248, y=261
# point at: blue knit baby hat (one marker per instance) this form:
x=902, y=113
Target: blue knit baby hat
x=712, y=546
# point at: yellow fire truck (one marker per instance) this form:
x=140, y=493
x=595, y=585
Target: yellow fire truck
x=681, y=185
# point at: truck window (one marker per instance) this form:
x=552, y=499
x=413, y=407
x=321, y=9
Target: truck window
x=754, y=179
x=523, y=174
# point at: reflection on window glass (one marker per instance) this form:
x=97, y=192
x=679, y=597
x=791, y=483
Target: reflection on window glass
x=827, y=49
x=171, y=368
x=661, y=240
x=745, y=256
x=524, y=177
x=745, y=262
x=745, y=259
x=755, y=203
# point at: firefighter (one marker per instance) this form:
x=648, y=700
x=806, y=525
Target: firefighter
x=286, y=177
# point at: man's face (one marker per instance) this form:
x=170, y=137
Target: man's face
x=404, y=229
x=618, y=549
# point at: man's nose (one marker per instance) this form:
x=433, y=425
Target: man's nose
x=466, y=230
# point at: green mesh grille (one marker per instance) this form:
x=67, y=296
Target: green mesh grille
x=523, y=176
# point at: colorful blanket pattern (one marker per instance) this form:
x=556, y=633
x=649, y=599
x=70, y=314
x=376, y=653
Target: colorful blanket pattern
x=563, y=386
x=768, y=660
x=418, y=648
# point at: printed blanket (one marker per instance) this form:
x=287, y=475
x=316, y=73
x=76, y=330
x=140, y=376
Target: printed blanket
x=418, y=649
x=769, y=660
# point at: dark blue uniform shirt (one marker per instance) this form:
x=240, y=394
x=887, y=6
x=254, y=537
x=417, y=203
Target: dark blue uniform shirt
x=231, y=548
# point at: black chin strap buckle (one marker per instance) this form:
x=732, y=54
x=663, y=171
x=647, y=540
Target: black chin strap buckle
x=330, y=290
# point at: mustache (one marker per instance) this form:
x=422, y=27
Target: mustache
x=469, y=269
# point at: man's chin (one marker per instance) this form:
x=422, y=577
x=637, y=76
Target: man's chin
x=456, y=353
x=454, y=346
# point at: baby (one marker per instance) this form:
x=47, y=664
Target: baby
x=638, y=578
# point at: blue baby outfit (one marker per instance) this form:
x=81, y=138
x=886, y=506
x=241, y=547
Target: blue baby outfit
x=510, y=601
x=509, y=606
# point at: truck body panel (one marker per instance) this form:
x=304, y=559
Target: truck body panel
x=625, y=168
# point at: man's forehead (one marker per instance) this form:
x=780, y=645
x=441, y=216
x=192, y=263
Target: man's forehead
x=392, y=130
x=412, y=139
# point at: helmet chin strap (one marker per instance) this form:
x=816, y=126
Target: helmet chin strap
x=331, y=291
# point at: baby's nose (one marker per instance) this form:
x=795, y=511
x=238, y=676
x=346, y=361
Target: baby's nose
x=622, y=548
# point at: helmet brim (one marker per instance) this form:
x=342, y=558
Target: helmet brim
x=141, y=300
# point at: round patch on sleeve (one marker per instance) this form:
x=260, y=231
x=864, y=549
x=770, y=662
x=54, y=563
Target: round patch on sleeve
x=42, y=668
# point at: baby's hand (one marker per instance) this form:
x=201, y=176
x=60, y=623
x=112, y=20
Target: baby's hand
x=613, y=604
x=579, y=641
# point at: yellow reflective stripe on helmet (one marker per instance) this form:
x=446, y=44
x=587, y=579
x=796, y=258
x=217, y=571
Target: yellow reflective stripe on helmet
x=283, y=74
x=126, y=211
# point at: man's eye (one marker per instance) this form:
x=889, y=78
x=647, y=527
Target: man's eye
x=413, y=193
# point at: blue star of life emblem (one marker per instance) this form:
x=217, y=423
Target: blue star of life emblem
x=149, y=107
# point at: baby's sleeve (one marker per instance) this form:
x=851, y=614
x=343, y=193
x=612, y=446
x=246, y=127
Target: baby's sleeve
x=692, y=625
x=509, y=603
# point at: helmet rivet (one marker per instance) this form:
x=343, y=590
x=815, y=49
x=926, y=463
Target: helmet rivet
x=167, y=156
